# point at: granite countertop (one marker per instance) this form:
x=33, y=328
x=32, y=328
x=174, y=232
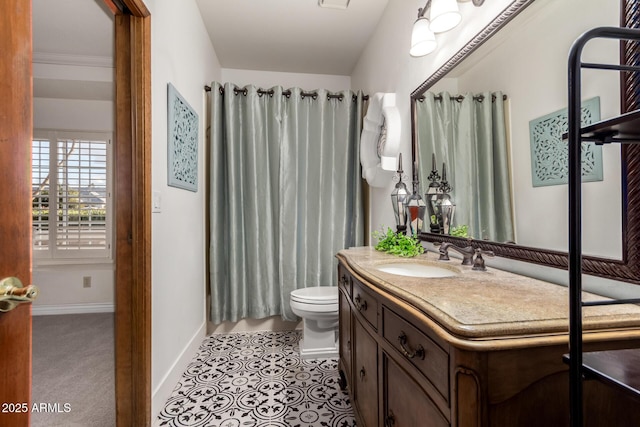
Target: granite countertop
x=492, y=304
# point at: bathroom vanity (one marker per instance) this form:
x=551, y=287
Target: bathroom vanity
x=472, y=349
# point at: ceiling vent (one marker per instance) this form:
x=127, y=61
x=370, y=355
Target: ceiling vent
x=334, y=4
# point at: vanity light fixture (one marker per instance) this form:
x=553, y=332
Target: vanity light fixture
x=423, y=40
x=443, y=16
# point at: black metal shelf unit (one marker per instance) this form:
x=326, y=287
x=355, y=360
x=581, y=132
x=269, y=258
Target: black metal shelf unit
x=622, y=129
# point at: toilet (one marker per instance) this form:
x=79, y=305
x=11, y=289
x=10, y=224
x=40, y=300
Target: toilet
x=318, y=307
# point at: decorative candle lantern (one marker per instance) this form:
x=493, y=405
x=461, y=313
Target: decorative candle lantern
x=399, y=199
x=447, y=209
x=431, y=195
x=443, y=206
x=416, y=208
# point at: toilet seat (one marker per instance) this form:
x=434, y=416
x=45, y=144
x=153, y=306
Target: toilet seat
x=316, y=295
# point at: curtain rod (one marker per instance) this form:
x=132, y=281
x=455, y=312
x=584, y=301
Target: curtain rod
x=286, y=93
x=459, y=98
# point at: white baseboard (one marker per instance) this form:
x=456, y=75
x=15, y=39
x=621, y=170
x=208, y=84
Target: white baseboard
x=273, y=323
x=163, y=390
x=41, y=310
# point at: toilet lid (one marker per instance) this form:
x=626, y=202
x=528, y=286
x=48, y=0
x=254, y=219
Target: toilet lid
x=316, y=295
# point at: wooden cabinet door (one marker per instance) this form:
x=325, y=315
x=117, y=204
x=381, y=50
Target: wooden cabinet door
x=15, y=207
x=345, y=338
x=365, y=383
x=406, y=404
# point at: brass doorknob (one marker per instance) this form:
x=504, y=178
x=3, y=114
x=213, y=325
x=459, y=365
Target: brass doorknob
x=12, y=293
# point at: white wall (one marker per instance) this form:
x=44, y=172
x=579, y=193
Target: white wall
x=267, y=79
x=181, y=54
x=72, y=114
x=530, y=66
x=62, y=291
x=386, y=66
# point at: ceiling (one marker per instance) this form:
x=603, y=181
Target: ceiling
x=72, y=32
x=295, y=36
x=72, y=28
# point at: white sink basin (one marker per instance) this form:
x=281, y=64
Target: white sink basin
x=416, y=270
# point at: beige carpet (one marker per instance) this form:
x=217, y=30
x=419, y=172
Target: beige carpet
x=73, y=371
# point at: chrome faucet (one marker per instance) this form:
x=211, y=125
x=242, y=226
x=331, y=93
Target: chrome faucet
x=467, y=252
x=478, y=263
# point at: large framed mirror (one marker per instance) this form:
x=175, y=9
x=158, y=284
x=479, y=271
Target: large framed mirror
x=515, y=54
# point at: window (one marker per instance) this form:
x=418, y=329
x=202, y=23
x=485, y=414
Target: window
x=71, y=194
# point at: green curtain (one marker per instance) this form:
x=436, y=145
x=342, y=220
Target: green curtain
x=468, y=134
x=285, y=195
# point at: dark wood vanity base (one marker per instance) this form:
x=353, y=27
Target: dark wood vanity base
x=404, y=367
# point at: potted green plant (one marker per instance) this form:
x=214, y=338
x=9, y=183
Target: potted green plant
x=398, y=244
x=460, y=231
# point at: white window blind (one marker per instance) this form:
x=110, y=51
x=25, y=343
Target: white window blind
x=40, y=180
x=71, y=185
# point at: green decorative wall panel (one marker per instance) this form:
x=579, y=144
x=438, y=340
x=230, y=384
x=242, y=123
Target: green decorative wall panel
x=182, y=142
x=549, y=156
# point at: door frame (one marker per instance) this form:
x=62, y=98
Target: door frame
x=132, y=176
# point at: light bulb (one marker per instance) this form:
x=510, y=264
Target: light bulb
x=444, y=15
x=423, y=41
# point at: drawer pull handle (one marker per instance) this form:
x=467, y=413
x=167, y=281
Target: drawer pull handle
x=360, y=304
x=344, y=279
x=362, y=374
x=408, y=351
x=390, y=420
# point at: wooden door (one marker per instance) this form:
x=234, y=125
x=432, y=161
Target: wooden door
x=365, y=382
x=405, y=403
x=15, y=206
x=345, y=339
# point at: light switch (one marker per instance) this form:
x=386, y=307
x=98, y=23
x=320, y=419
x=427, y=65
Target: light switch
x=156, y=202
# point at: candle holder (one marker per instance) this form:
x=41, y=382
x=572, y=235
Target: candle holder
x=442, y=205
x=431, y=196
x=416, y=208
x=399, y=199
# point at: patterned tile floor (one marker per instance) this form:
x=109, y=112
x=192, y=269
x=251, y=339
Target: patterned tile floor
x=257, y=380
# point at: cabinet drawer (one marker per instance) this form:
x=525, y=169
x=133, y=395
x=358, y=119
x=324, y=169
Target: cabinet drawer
x=365, y=303
x=429, y=358
x=407, y=405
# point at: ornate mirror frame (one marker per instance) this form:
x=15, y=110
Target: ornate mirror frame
x=628, y=268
